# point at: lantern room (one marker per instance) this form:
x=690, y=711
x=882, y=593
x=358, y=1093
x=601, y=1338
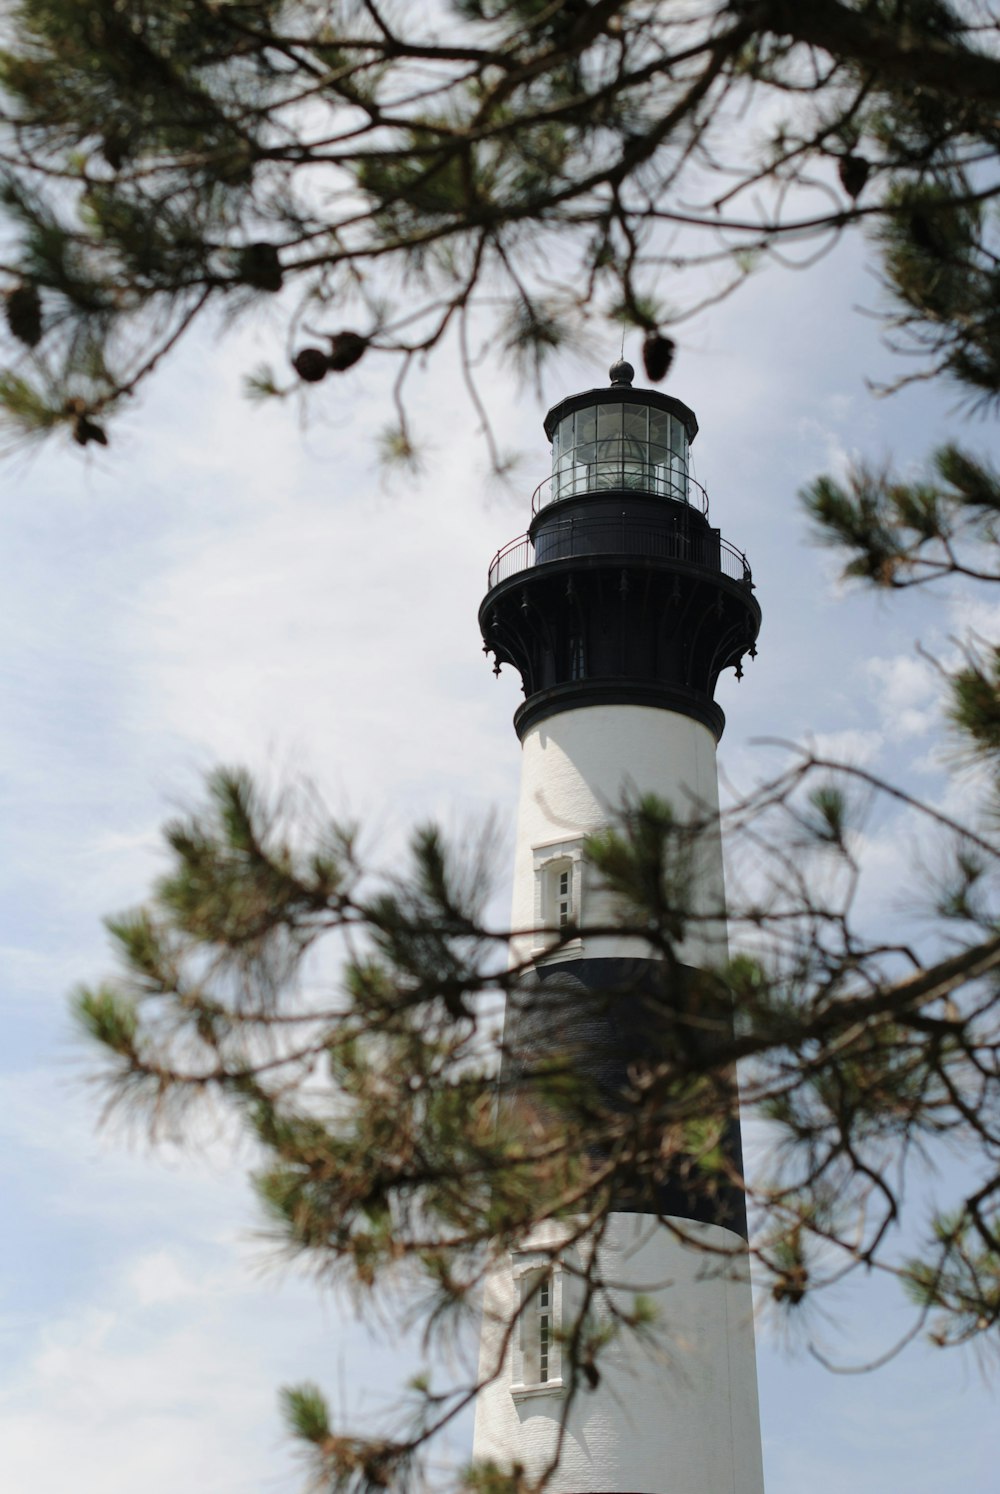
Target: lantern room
x=620, y=438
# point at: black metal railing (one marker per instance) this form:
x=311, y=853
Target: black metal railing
x=622, y=536
x=602, y=476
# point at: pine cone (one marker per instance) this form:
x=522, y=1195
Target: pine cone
x=23, y=309
x=311, y=364
x=853, y=172
x=260, y=266
x=85, y=431
x=114, y=149
x=345, y=350
x=657, y=356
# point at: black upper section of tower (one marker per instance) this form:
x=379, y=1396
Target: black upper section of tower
x=621, y=592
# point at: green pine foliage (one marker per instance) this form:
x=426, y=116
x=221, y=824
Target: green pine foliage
x=394, y=170
x=306, y=1413
x=958, y=1289
x=899, y=534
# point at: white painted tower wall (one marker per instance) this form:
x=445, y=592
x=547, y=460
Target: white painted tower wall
x=577, y=769
x=676, y=1413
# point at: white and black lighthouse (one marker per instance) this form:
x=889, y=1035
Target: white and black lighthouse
x=620, y=607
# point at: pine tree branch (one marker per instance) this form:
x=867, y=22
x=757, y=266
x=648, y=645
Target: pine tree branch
x=901, y=53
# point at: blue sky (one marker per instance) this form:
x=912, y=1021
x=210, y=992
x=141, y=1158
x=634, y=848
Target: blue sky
x=229, y=583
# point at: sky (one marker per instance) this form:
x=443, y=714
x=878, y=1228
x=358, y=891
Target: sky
x=238, y=584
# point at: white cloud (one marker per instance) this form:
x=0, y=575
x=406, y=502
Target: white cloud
x=159, y=1277
x=975, y=615
x=906, y=691
x=145, y=1339
x=857, y=747
x=832, y=453
x=111, y=1402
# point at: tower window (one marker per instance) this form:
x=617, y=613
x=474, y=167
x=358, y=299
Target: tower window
x=577, y=665
x=560, y=893
x=543, y=1331
x=561, y=879
x=536, y=1357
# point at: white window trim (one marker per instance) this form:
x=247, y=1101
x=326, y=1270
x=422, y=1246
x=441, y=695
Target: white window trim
x=527, y=1268
x=551, y=859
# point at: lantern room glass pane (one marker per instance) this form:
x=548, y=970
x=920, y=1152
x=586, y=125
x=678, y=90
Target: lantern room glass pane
x=679, y=458
x=678, y=438
x=562, y=458
x=585, y=435
x=636, y=423
x=609, y=422
x=584, y=450
x=607, y=468
x=634, y=460
x=586, y=424
x=659, y=428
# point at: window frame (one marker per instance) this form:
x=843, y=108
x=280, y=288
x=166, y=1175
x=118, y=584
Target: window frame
x=553, y=861
x=535, y=1343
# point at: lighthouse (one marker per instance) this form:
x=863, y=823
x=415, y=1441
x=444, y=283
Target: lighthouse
x=619, y=608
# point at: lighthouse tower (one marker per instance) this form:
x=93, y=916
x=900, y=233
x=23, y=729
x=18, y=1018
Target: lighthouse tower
x=619, y=608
